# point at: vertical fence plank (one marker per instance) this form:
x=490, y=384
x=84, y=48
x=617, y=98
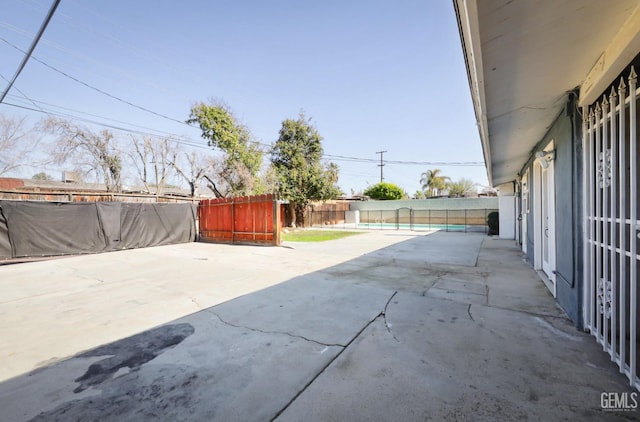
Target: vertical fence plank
x=633, y=228
x=613, y=232
x=598, y=217
x=604, y=279
x=585, y=211
x=622, y=207
x=592, y=221
x=276, y=227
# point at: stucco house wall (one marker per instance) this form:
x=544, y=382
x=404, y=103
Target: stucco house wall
x=566, y=132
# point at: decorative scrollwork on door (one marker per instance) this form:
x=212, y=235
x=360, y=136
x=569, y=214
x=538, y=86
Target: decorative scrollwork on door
x=605, y=296
x=604, y=169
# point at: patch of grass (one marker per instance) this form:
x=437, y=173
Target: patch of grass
x=315, y=235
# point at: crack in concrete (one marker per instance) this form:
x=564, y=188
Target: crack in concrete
x=273, y=332
x=75, y=272
x=196, y=303
x=324, y=368
x=469, y=313
x=384, y=315
x=439, y=277
x=530, y=313
x=88, y=277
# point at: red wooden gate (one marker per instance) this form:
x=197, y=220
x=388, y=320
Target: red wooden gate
x=245, y=219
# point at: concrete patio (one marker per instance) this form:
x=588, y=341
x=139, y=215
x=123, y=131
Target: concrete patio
x=380, y=326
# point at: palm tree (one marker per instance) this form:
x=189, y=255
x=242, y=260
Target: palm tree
x=461, y=188
x=432, y=183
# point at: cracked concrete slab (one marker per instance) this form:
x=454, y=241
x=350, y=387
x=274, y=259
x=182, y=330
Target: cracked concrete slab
x=319, y=309
x=457, y=296
x=438, y=363
x=459, y=291
x=478, y=287
x=73, y=304
x=214, y=371
x=314, y=333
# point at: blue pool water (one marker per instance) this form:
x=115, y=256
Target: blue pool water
x=420, y=227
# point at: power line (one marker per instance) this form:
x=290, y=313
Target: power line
x=173, y=138
x=439, y=163
x=193, y=143
x=36, y=102
x=24, y=95
x=98, y=89
x=103, y=65
x=196, y=143
x=145, y=54
x=27, y=54
x=329, y=156
x=402, y=162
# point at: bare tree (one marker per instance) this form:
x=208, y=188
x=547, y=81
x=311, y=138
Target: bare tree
x=153, y=158
x=16, y=140
x=223, y=177
x=88, y=151
x=193, y=169
x=229, y=178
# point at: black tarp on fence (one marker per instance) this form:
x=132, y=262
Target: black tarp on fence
x=31, y=229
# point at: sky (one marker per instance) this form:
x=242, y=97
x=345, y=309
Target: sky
x=373, y=75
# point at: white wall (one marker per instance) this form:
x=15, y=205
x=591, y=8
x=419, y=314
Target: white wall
x=507, y=210
x=426, y=204
x=352, y=217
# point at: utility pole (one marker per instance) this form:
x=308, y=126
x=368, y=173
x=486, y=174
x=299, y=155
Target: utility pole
x=381, y=165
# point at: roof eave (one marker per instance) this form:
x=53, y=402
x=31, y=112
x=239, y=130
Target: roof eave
x=468, y=27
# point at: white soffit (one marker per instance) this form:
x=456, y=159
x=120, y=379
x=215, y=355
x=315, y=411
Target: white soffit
x=524, y=57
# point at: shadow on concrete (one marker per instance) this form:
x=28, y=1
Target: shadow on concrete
x=446, y=326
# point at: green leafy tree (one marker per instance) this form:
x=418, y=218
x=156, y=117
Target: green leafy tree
x=242, y=159
x=461, y=188
x=42, y=176
x=301, y=175
x=433, y=182
x=385, y=190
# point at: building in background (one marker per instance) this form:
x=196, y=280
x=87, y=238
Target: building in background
x=554, y=88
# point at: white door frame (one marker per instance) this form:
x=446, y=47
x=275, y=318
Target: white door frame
x=537, y=216
x=545, y=229
x=524, y=209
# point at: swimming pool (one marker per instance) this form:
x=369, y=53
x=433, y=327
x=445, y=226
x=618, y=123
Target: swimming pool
x=422, y=227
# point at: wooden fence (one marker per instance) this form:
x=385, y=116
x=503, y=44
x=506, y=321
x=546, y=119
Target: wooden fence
x=245, y=219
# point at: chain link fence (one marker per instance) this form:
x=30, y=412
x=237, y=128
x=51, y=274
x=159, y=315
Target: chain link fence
x=465, y=220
